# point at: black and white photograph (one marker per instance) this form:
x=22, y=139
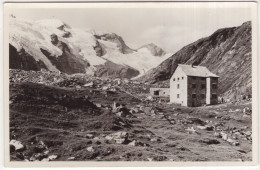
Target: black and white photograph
x=131, y=82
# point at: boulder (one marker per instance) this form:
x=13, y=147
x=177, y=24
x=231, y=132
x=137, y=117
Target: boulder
x=248, y=133
x=90, y=149
x=191, y=130
x=155, y=140
x=133, y=143
x=119, y=137
x=120, y=114
x=150, y=159
x=194, y=120
x=246, y=116
x=89, y=84
x=12, y=148
x=52, y=157
x=46, y=152
x=18, y=145
x=89, y=136
x=98, y=105
x=104, y=88
x=233, y=142
x=71, y=158
x=96, y=138
x=246, y=110
x=134, y=110
x=45, y=160
x=209, y=128
x=20, y=155
x=202, y=127
x=38, y=156
x=210, y=141
x=149, y=98
x=224, y=135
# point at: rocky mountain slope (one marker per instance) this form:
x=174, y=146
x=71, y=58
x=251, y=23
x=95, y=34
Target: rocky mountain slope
x=227, y=53
x=53, y=45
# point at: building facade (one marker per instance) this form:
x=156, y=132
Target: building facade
x=193, y=86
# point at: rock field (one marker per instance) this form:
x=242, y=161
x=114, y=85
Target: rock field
x=60, y=117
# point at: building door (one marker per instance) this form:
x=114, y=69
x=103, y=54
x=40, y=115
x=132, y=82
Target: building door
x=192, y=104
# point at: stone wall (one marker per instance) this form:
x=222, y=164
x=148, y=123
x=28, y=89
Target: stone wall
x=196, y=91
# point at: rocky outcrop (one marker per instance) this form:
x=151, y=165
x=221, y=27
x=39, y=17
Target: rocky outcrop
x=66, y=33
x=154, y=49
x=227, y=53
x=99, y=48
x=112, y=37
x=67, y=62
x=112, y=70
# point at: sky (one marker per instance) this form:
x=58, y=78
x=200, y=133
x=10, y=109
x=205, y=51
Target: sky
x=169, y=28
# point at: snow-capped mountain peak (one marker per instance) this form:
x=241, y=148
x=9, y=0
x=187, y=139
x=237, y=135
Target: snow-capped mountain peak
x=59, y=47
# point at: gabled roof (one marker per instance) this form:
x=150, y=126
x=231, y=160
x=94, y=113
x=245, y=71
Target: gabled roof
x=198, y=71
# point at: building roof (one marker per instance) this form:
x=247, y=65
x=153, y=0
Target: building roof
x=198, y=71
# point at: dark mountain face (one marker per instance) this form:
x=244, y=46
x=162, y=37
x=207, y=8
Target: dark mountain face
x=22, y=60
x=112, y=70
x=67, y=62
x=227, y=53
x=112, y=37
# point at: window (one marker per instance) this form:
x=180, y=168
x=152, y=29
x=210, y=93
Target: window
x=178, y=86
x=203, y=86
x=193, y=86
x=178, y=78
x=214, y=96
x=174, y=79
x=182, y=78
x=202, y=96
x=214, y=86
x=178, y=96
x=193, y=96
x=156, y=93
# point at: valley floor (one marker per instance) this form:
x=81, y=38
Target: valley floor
x=87, y=124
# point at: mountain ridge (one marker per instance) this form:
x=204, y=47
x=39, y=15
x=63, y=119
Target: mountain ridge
x=226, y=52
x=154, y=49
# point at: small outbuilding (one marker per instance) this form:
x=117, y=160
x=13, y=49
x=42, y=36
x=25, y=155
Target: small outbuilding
x=160, y=92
